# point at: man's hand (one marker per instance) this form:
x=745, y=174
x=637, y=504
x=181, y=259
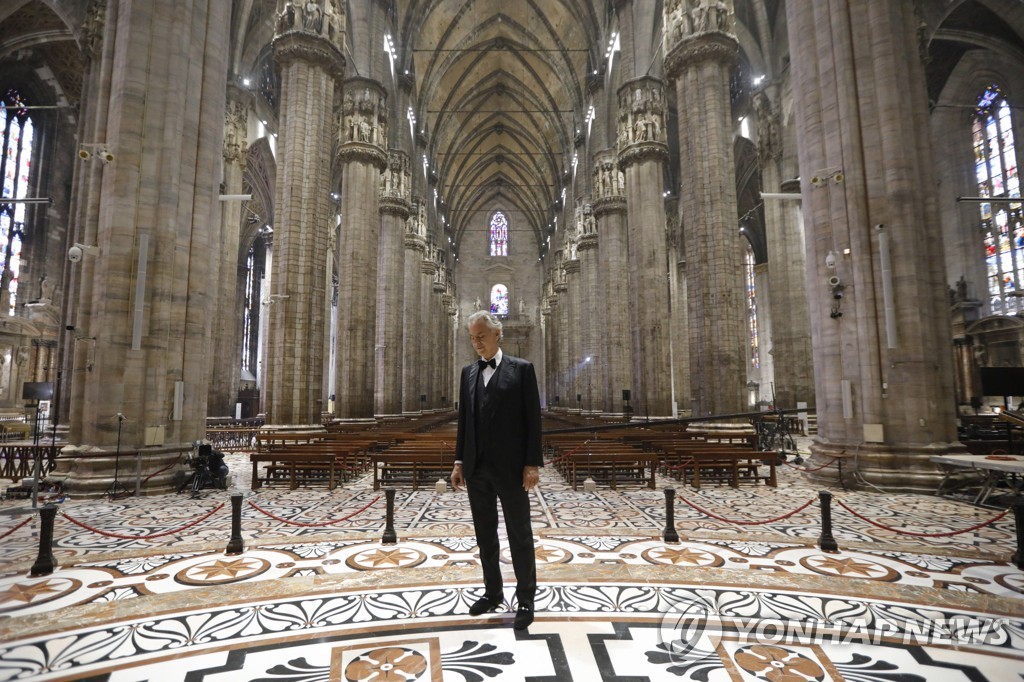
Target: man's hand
x=531, y=477
x=457, y=479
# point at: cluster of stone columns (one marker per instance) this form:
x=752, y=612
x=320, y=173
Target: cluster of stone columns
x=884, y=381
x=700, y=53
x=138, y=358
x=394, y=304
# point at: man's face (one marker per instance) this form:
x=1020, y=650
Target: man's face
x=484, y=339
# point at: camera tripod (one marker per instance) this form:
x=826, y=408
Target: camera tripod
x=202, y=476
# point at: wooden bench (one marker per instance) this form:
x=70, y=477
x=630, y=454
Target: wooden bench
x=611, y=467
x=415, y=466
x=611, y=461
x=721, y=464
x=309, y=463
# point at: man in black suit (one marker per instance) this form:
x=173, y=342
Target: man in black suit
x=498, y=456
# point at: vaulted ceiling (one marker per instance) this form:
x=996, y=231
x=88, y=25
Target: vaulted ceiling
x=499, y=93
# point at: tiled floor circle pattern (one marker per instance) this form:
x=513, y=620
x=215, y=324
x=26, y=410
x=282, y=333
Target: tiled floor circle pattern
x=616, y=602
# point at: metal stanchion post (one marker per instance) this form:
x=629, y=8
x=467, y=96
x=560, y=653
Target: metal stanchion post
x=45, y=561
x=1018, y=519
x=235, y=545
x=826, y=542
x=389, y=537
x=670, y=534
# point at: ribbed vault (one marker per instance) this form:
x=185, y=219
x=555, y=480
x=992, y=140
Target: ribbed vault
x=499, y=91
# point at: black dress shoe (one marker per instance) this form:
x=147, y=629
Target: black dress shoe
x=524, y=616
x=483, y=605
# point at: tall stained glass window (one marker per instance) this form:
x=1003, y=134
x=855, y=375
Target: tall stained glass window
x=995, y=167
x=499, y=300
x=751, y=291
x=499, y=234
x=17, y=133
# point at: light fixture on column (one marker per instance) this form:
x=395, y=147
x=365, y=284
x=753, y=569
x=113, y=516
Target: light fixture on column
x=88, y=151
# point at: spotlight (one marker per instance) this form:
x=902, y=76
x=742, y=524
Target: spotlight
x=84, y=154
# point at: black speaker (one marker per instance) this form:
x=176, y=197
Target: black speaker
x=625, y=395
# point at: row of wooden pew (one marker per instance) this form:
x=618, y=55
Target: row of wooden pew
x=636, y=455
x=398, y=456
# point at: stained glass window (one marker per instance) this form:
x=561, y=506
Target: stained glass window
x=499, y=300
x=499, y=234
x=995, y=170
x=15, y=164
x=748, y=272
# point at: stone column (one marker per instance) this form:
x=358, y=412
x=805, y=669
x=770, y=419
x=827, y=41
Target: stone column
x=394, y=212
x=222, y=391
x=439, y=324
x=616, y=345
x=591, y=314
x=562, y=338
x=700, y=52
x=363, y=133
x=412, y=311
x=574, y=358
x=680, y=327
x=787, y=296
x=642, y=155
x=154, y=95
x=882, y=360
x=549, y=305
x=446, y=343
x=310, y=57
x=552, y=342
x=428, y=270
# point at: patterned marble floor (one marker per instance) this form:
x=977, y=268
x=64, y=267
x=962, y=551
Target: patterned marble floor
x=327, y=600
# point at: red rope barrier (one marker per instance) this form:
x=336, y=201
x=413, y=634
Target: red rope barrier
x=682, y=465
x=15, y=528
x=561, y=457
x=742, y=522
x=142, y=537
x=318, y=524
x=922, y=535
x=806, y=470
x=160, y=471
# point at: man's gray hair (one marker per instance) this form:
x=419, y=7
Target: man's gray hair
x=492, y=321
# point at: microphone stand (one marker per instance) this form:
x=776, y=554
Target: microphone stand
x=117, y=489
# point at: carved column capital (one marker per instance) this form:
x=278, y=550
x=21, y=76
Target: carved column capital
x=587, y=242
x=641, y=112
x=609, y=205
x=706, y=47
x=395, y=206
x=366, y=153
x=302, y=46
x=644, y=151
x=319, y=19
x=364, y=121
x=415, y=242
x=395, y=180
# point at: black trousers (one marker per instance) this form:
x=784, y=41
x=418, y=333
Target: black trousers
x=485, y=488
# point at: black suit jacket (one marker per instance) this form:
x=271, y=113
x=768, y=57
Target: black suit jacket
x=511, y=427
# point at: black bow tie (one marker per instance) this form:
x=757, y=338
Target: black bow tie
x=484, y=363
